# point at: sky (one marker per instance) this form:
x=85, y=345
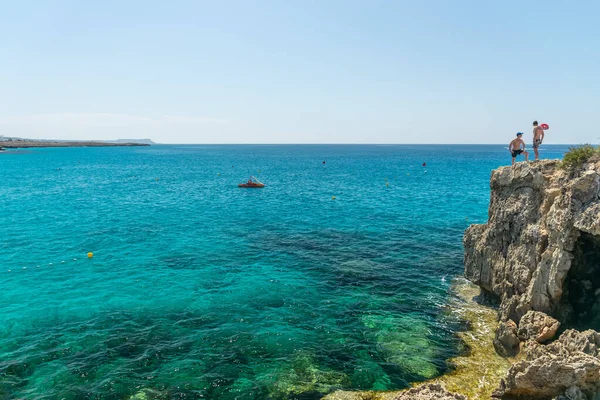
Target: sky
x=327, y=71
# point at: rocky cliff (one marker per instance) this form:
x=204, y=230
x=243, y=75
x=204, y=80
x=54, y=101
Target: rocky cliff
x=539, y=249
x=539, y=258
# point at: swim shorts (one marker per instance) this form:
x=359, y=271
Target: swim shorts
x=536, y=143
x=516, y=153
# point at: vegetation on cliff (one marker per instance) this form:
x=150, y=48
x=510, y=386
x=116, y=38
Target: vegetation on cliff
x=579, y=155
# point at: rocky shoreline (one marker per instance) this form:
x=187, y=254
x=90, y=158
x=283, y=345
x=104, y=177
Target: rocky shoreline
x=26, y=144
x=538, y=260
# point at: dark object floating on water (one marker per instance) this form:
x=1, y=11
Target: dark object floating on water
x=252, y=183
x=424, y=164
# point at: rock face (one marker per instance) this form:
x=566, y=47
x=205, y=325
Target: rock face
x=540, y=250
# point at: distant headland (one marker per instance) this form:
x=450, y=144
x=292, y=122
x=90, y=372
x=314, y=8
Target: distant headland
x=13, y=143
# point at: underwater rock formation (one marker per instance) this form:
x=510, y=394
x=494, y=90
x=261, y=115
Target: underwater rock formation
x=539, y=258
x=429, y=391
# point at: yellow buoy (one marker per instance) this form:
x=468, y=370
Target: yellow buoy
x=156, y=178
x=387, y=184
x=332, y=197
x=90, y=254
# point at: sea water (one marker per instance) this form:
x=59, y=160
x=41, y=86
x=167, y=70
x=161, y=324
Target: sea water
x=334, y=276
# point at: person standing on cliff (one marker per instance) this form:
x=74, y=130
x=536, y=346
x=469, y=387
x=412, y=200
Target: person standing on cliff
x=516, y=147
x=538, y=137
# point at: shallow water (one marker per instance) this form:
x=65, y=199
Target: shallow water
x=199, y=289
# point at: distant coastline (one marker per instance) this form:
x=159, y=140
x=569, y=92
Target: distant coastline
x=25, y=144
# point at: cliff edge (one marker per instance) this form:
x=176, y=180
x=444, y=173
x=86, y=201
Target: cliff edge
x=539, y=258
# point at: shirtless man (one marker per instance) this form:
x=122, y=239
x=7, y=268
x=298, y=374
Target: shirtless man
x=538, y=138
x=516, y=147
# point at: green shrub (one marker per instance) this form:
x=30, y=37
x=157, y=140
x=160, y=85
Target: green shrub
x=579, y=155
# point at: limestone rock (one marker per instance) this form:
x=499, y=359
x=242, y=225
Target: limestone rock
x=539, y=255
x=506, y=341
x=524, y=255
x=537, y=326
x=551, y=370
x=430, y=391
x=572, y=341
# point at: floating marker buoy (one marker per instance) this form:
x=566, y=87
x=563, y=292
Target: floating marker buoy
x=24, y=267
x=156, y=178
x=332, y=197
x=62, y=262
x=408, y=174
x=9, y=270
x=90, y=254
x=74, y=259
x=387, y=184
x=38, y=266
x=49, y=263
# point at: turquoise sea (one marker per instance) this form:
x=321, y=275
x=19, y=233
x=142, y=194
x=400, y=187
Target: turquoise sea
x=333, y=276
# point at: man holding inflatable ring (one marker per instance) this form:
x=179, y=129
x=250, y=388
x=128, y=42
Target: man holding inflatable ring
x=538, y=138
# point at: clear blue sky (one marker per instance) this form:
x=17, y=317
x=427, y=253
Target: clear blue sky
x=428, y=71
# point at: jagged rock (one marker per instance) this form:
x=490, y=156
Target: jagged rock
x=539, y=216
x=537, y=326
x=572, y=341
x=550, y=370
x=430, y=391
x=506, y=341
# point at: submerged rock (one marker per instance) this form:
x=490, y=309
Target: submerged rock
x=537, y=326
x=572, y=393
x=430, y=391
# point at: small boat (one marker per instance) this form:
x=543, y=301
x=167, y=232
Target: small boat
x=252, y=183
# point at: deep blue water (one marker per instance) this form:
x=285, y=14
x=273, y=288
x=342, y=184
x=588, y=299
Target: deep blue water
x=199, y=289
